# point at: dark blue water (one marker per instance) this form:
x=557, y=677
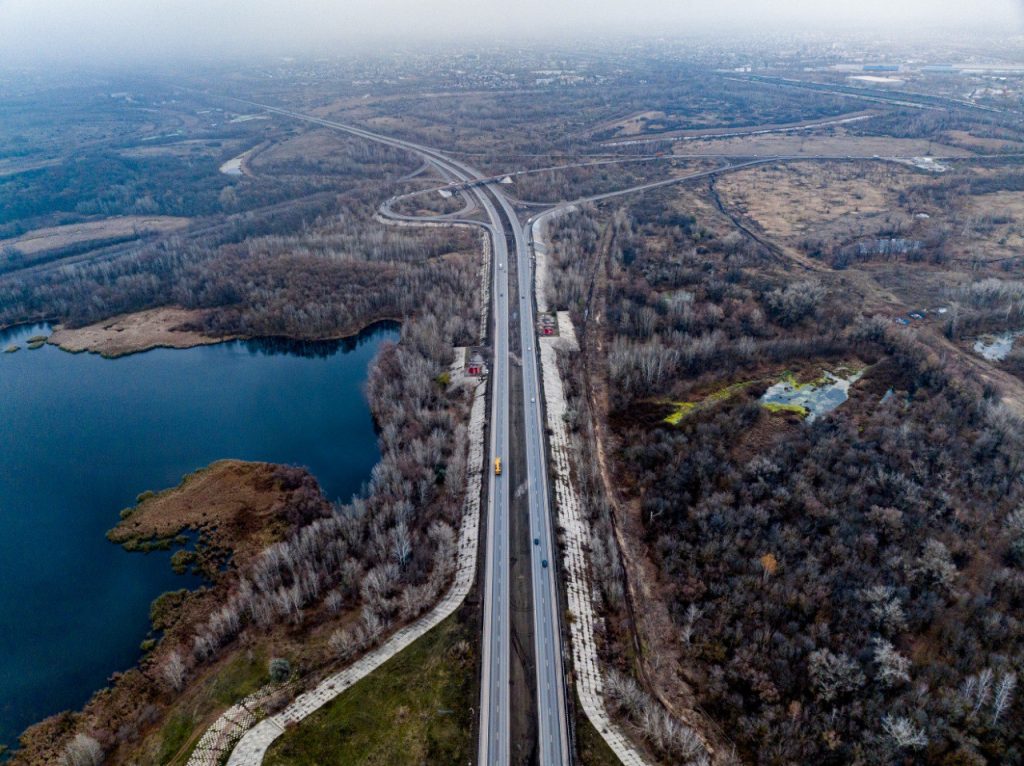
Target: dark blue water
x=81, y=436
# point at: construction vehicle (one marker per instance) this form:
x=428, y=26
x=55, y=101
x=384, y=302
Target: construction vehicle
x=497, y=466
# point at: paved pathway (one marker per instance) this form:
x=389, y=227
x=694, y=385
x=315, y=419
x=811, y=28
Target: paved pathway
x=225, y=731
x=254, y=743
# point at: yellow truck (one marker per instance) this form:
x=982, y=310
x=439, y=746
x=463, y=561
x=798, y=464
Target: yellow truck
x=497, y=466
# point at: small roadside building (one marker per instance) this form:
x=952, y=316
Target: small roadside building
x=476, y=366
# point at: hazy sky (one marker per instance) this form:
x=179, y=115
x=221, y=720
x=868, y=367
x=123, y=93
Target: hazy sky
x=118, y=28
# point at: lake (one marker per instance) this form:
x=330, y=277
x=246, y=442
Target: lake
x=82, y=436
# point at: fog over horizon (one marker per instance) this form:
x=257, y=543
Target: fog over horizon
x=119, y=30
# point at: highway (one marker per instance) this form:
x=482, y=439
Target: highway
x=552, y=720
x=552, y=731
x=494, y=740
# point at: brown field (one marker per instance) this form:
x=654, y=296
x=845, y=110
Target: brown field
x=188, y=148
x=13, y=167
x=964, y=138
x=313, y=146
x=997, y=220
x=839, y=145
x=130, y=333
x=636, y=125
x=797, y=199
x=56, y=237
x=632, y=125
x=241, y=506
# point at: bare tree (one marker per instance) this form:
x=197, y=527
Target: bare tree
x=892, y=666
x=693, y=613
x=1004, y=695
x=401, y=545
x=334, y=601
x=83, y=750
x=983, y=689
x=668, y=735
x=903, y=733
x=935, y=565
x=174, y=670
x=833, y=674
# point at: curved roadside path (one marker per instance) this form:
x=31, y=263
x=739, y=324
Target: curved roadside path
x=253, y=745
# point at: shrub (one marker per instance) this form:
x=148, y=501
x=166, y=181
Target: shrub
x=280, y=670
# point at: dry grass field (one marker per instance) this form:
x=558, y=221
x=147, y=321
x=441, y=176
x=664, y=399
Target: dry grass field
x=838, y=143
x=995, y=224
x=130, y=333
x=966, y=139
x=118, y=227
x=801, y=199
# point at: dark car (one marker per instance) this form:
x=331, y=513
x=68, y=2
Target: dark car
x=544, y=563
x=536, y=541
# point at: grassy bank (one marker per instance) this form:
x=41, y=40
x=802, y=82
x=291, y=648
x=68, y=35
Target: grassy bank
x=240, y=676
x=591, y=748
x=417, y=708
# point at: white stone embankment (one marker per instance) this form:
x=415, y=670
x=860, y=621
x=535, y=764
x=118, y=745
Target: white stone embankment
x=576, y=538
x=485, y=285
x=254, y=743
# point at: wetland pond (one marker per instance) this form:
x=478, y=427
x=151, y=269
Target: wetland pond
x=81, y=436
x=811, y=400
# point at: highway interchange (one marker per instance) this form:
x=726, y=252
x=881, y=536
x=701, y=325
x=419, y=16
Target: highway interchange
x=510, y=238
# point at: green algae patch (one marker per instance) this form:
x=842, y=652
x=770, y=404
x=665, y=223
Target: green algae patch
x=682, y=409
x=796, y=409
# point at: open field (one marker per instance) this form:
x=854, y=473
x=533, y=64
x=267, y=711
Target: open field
x=838, y=144
x=979, y=143
x=797, y=199
x=646, y=126
x=997, y=224
x=188, y=148
x=118, y=227
x=415, y=709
